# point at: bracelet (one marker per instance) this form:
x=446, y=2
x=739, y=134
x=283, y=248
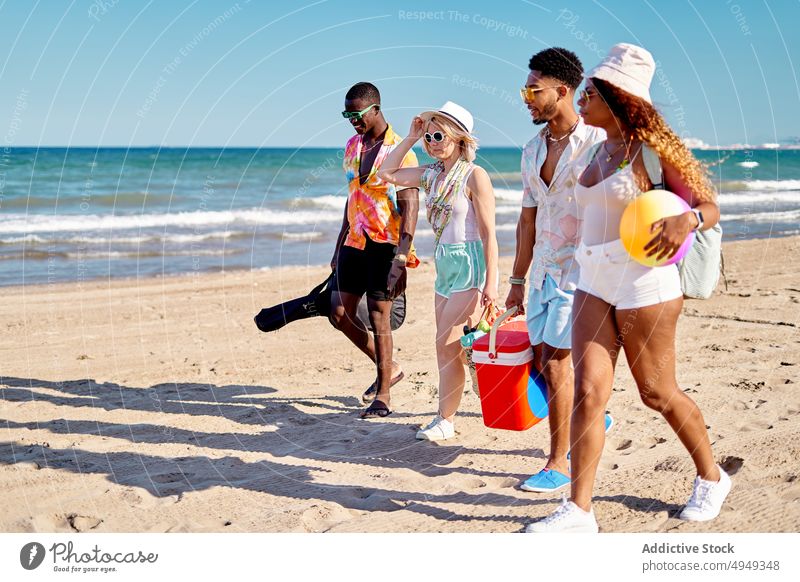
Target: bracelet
x=699, y=216
x=516, y=280
x=400, y=259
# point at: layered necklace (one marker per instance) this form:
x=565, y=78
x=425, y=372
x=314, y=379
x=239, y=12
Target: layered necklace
x=551, y=139
x=439, y=201
x=626, y=158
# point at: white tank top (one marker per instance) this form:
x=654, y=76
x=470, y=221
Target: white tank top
x=463, y=224
x=602, y=205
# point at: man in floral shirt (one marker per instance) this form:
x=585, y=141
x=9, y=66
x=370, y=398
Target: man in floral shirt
x=547, y=236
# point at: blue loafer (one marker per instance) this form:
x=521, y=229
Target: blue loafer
x=545, y=481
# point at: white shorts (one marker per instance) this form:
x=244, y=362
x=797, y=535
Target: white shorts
x=608, y=272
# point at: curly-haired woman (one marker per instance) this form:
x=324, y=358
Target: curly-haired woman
x=620, y=302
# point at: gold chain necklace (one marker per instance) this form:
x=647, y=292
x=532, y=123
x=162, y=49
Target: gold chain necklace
x=552, y=139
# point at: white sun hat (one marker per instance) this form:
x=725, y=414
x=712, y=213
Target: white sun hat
x=627, y=67
x=455, y=112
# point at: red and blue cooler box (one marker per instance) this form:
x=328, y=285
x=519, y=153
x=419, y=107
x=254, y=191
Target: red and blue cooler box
x=513, y=395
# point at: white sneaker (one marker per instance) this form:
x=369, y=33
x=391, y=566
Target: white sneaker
x=439, y=429
x=707, y=498
x=568, y=518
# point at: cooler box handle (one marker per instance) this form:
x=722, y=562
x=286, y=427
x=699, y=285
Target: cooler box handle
x=493, y=333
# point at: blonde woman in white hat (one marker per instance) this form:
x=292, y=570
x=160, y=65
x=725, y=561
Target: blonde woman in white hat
x=620, y=302
x=460, y=206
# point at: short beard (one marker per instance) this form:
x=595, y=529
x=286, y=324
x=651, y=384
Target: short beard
x=546, y=114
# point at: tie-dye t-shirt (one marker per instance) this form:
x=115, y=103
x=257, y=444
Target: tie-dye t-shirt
x=372, y=209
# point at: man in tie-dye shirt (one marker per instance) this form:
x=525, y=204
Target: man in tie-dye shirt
x=375, y=243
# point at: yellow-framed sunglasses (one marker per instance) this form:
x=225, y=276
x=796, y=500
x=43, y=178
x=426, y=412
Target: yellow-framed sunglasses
x=528, y=94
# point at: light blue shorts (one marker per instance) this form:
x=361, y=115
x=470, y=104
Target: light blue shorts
x=549, y=315
x=459, y=267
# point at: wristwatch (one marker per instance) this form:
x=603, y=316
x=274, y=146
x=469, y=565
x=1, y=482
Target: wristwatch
x=516, y=280
x=699, y=216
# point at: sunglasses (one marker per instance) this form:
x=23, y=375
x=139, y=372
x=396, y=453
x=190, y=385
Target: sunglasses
x=357, y=115
x=528, y=94
x=587, y=95
x=436, y=136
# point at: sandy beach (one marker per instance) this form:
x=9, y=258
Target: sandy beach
x=156, y=405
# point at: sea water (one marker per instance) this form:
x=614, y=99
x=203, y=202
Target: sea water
x=75, y=214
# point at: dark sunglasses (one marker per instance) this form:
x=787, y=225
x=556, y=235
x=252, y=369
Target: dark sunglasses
x=436, y=136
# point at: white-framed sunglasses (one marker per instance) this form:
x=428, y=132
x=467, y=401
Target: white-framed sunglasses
x=436, y=136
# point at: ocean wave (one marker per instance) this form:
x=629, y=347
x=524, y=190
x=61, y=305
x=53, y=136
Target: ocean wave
x=506, y=195
x=119, y=199
x=506, y=176
x=320, y=202
x=748, y=164
x=785, y=216
x=34, y=239
x=763, y=185
x=773, y=185
x=20, y=223
x=94, y=255
x=301, y=235
x=760, y=198
x=507, y=209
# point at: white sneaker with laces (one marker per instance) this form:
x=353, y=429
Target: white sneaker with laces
x=707, y=498
x=438, y=429
x=568, y=518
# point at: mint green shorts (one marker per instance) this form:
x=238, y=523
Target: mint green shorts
x=459, y=267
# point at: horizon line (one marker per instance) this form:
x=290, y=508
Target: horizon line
x=735, y=146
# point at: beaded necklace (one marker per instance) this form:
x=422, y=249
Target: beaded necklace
x=438, y=203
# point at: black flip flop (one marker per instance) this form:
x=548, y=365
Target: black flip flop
x=371, y=392
x=377, y=409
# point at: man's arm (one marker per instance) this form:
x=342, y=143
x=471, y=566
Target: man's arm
x=408, y=201
x=526, y=237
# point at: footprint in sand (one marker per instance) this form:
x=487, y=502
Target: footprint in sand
x=470, y=483
x=131, y=497
x=792, y=494
x=303, y=420
x=653, y=442
x=320, y=518
x=623, y=445
x=509, y=482
x=375, y=501
x=82, y=523
x=731, y=465
x=171, y=478
x=674, y=464
x=755, y=425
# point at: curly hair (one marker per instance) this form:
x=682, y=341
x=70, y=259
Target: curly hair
x=560, y=64
x=649, y=127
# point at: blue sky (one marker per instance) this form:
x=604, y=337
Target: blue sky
x=202, y=73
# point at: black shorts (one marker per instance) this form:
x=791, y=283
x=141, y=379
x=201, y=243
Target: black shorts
x=365, y=271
